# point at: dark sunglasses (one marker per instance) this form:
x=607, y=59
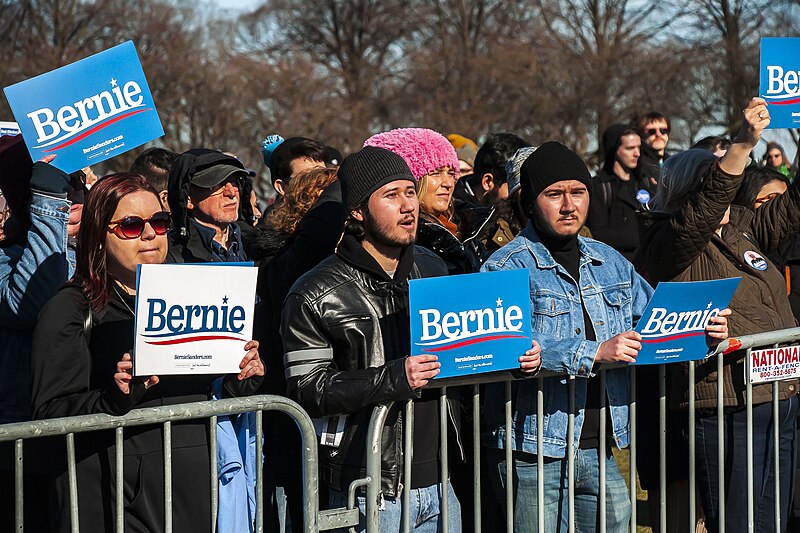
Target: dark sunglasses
x=132, y=227
x=662, y=131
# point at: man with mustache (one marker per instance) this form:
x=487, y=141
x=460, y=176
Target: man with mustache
x=345, y=331
x=585, y=301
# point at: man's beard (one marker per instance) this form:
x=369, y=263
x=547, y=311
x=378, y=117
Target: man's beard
x=382, y=234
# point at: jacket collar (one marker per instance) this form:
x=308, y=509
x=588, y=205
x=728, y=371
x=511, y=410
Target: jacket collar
x=543, y=257
x=352, y=253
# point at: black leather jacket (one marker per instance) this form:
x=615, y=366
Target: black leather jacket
x=345, y=330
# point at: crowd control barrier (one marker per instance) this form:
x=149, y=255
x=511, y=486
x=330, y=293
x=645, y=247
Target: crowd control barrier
x=316, y=520
x=380, y=413
x=165, y=416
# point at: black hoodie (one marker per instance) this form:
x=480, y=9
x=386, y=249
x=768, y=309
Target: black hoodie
x=185, y=245
x=614, y=202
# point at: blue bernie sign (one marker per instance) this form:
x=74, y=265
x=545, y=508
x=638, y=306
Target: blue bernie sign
x=673, y=325
x=780, y=80
x=473, y=323
x=88, y=111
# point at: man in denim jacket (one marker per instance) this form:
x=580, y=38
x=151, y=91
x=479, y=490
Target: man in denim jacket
x=35, y=261
x=585, y=300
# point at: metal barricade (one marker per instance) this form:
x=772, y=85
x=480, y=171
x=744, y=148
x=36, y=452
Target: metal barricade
x=166, y=415
x=381, y=412
x=316, y=520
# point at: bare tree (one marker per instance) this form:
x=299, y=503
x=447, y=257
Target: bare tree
x=731, y=30
x=605, y=38
x=356, y=42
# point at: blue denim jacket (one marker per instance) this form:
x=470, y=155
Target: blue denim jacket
x=615, y=297
x=30, y=274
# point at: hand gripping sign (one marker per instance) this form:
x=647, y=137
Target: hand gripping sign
x=473, y=323
x=193, y=319
x=780, y=80
x=674, y=322
x=88, y=111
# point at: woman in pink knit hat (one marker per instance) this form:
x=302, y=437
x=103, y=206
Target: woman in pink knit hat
x=434, y=163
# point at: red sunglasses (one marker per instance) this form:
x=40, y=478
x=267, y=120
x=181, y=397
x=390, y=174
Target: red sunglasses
x=132, y=227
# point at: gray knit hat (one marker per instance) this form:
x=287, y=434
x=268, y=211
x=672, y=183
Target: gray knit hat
x=513, y=167
x=367, y=170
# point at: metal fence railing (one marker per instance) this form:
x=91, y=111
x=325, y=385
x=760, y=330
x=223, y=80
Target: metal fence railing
x=747, y=343
x=316, y=520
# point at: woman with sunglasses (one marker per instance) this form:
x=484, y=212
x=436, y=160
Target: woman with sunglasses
x=81, y=364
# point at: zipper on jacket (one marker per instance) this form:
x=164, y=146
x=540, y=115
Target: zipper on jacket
x=455, y=430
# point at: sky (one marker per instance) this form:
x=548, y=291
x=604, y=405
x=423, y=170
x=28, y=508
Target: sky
x=235, y=5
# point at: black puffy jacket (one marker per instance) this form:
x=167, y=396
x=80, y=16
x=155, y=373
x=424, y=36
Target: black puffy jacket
x=345, y=330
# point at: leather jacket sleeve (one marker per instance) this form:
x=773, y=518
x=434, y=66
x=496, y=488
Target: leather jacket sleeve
x=324, y=381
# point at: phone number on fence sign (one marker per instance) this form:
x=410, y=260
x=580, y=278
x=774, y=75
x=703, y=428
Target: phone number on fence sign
x=779, y=373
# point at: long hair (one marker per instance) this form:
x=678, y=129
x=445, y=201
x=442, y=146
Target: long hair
x=680, y=176
x=91, y=271
x=302, y=193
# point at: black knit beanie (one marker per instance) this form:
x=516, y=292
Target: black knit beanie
x=367, y=170
x=550, y=163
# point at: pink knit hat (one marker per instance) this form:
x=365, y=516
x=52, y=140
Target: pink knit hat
x=424, y=150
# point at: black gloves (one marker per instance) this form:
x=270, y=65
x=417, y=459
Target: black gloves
x=47, y=178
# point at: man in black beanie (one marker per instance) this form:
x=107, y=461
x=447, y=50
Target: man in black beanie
x=345, y=330
x=585, y=300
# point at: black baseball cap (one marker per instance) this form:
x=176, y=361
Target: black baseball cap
x=214, y=175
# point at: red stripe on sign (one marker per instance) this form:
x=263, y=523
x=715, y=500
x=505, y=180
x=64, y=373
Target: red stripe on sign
x=472, y=341
x=785, y=102
x=96, y=129
x=194, y=339
x=673, y=337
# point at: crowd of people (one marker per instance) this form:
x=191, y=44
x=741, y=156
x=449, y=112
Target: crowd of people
x=335, y=253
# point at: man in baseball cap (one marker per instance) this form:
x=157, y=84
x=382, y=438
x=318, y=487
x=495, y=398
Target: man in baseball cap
x=203, y=195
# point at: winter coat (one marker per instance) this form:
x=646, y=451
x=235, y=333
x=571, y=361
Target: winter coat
x=30, y=274
x=345, y=335
x=459, y=257
x=73, y=374
x=185, y=243
x=614, y=202
x=684, y=246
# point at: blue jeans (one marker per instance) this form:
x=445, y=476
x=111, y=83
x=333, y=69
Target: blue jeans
x=425, y=510
x=556, y=492
x=735, y=435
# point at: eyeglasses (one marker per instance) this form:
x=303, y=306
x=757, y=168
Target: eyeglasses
x=763, y=199
x=652, y=131
x=132, y=227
